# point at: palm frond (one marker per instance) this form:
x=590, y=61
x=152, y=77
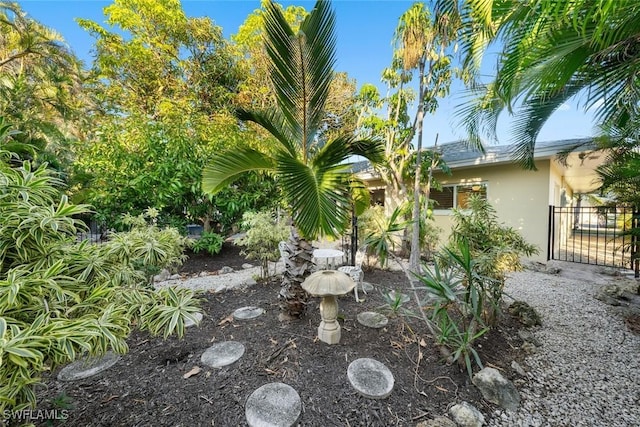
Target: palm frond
x=301, y=68
x=222, y=170
x=318, y=195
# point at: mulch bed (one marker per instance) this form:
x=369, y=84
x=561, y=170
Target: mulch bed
x=147, y=388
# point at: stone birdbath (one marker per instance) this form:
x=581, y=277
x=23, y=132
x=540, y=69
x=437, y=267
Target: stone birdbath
x=328, y=284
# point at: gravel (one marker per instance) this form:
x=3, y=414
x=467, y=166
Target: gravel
x=587, y=370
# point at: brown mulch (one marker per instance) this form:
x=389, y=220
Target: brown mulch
x=147, y=388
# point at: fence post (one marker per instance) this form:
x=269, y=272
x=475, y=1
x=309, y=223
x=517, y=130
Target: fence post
x=635, y=242
x=550, y=236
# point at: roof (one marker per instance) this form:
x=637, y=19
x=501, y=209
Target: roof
x=578, y=172
x=459, y=154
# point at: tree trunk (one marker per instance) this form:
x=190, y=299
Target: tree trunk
x=298, y=265
x=414, y=257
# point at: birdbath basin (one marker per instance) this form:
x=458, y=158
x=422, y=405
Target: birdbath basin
x=328, y=284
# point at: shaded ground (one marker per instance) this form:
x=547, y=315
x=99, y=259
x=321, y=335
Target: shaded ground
x=147, y=387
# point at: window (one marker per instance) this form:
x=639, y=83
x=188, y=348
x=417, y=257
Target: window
x=456, y=196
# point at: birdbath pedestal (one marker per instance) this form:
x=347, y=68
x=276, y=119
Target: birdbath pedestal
x=328, y=284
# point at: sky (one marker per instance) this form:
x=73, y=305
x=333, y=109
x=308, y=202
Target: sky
x=364, y=33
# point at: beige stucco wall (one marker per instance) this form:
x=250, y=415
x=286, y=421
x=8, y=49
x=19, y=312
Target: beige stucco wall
x=521, y=198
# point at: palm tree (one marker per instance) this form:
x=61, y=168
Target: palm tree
x=423, y=40
x=41, y=85
x=313, y=173
x=552, y=50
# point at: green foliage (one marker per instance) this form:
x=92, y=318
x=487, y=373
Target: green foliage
x=394, y=302
x=551, y=52
x=149, y=247
x=262, y=238
x=312, y=172
x=457, y=296
x=381, y=234
x=60, y=299
x=41, y=89
x=466, y=283
x=209, y=242
x=495, y=247
x=167, y=84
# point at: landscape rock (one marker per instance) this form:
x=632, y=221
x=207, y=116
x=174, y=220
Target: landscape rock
x=189, y=323
x=526, y=314
x=247, y=266
x=246, y=313
x=225, y=270
x=518, y=369
x=372, y=319
x=466, y=415
x=175, y=277
x=250, y=282
x=497, y=389
x=162, y=276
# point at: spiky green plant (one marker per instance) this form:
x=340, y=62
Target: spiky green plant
x=59, y=298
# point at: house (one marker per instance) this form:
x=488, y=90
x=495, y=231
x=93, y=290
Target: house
x=522, y=198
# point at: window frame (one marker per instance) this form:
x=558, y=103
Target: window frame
x=441, y=211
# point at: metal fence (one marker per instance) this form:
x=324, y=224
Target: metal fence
x=593, y=235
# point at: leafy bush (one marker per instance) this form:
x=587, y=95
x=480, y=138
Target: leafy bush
x=263, y=235
x=209, y=242
x=495, y=248
x=381, y=234
x=466, y=284
x=60, y=298
x=456, y=298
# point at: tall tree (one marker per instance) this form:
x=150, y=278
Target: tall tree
x=312, y=173
x=166, y=83
x=552, y=51
x=422, y=45
x=41, y=90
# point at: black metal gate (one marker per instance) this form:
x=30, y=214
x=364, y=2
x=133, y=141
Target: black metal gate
x=593, y=235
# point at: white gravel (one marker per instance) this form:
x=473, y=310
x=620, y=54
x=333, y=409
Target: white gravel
x=587, y=370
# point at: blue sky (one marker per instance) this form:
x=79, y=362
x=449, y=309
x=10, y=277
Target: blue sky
x=364, y=32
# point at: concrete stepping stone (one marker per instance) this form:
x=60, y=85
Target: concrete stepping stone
x=189, y=323
x=371, y=319
x=88, y=367
x=246, y=313
x=370, y=378
x=222, y=354
x=273, y=405
x=365, y=286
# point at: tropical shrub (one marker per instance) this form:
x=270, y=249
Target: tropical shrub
x=465, y=286
x=382, y=234
x=495, y=248
x=456, y=297
x=262, y=238
x=209, y=242
x=59, y=298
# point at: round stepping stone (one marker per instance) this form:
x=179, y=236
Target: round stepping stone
x=273, y=405
x=370, y=378
x=189, y=323
x=372, y=319
x=222, y=354
x=88, y=367
x=365, y=286
x=246, y=313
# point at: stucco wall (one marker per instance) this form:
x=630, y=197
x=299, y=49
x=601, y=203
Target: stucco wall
x=521, y=198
